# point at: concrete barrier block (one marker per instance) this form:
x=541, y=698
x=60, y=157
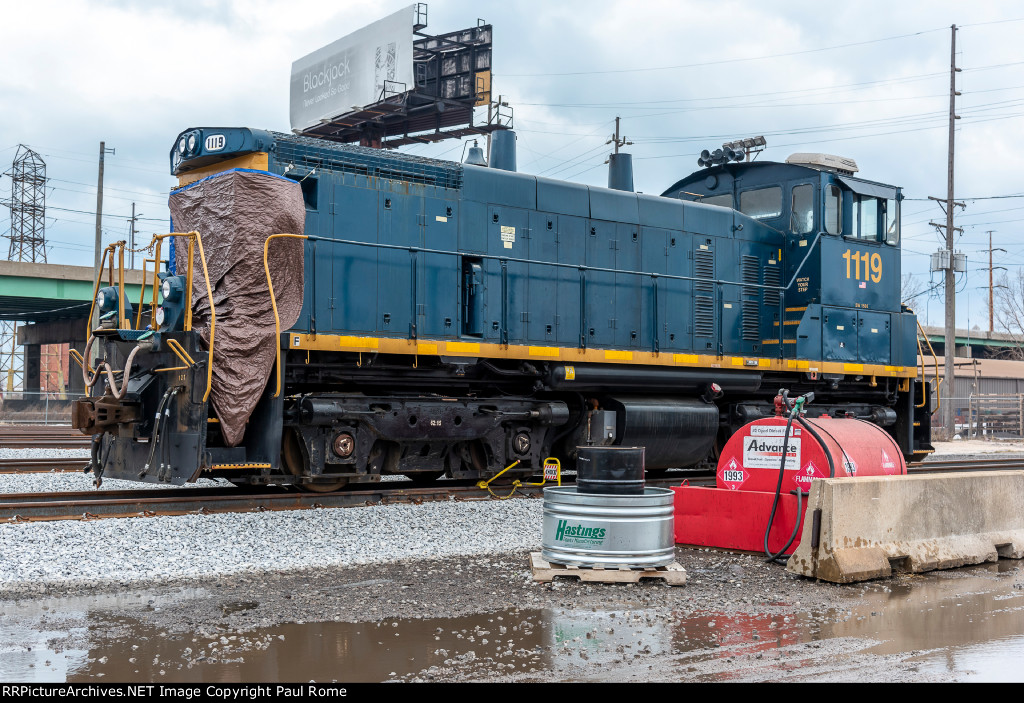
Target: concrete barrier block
x=863, y=528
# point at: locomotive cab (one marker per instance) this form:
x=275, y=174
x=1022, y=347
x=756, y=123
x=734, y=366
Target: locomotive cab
x=842, y=269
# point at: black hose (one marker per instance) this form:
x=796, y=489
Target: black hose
x=821, y=443
x=156, y=430
x=800, y=493
x=778, y=489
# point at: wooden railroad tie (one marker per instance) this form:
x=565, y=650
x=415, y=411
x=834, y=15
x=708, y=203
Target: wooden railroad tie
x=545, y=572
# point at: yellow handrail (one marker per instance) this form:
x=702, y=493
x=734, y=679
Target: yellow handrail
x=76, y=356
x=213, y=311
x=938, y=391
x=180, y=352
x=273, y=303
x=194, y=238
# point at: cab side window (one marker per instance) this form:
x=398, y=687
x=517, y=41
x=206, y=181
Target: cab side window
x=892, y=221
x=866, y=217
x=801, y=220
x=762, y=203
x=833, y=210
x=724, y=200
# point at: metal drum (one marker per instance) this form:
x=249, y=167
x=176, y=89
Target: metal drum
x=608, y=530
x=610, y=470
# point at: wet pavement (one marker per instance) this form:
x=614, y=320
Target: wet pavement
x=963, y=625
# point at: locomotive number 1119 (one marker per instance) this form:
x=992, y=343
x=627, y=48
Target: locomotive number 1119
x=874, y=273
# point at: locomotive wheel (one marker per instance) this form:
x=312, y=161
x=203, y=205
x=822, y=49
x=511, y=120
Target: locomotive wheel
x=291, y=457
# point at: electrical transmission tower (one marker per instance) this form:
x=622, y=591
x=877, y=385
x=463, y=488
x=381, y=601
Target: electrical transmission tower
x=28, y=243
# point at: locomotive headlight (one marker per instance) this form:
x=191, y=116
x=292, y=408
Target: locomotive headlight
x=106, y=299
x=192, y=142
x=172, y=289
x=181, y=146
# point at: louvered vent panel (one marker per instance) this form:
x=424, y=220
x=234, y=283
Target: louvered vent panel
x=704, y=294
x=772, y=277
x=704, y=264
x=751, y=305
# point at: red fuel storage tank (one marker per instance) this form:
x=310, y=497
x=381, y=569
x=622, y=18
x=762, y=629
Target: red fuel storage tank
x=735, y=514
x=830, y=448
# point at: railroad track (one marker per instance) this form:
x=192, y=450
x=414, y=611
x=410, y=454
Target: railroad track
x=42, y=466
x=89, y=505
x=41, y=437
x=973, y=465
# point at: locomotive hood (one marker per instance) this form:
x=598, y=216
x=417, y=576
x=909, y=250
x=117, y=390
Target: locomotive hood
x=234, y=212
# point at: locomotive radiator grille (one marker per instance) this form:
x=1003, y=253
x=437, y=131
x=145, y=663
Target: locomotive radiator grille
x=704, y=294
x=751, y=306
x=772, y=297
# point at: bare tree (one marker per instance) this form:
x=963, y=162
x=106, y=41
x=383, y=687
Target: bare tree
x=1009, y=312
x=913, y=289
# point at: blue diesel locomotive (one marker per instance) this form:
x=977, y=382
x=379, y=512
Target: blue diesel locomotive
x=455, y=319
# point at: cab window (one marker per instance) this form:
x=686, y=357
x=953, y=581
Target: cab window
x=723, y=200
x=762, y=203
x=892, y=221
x=801, y=220
x=866, y=214
x=833, y=210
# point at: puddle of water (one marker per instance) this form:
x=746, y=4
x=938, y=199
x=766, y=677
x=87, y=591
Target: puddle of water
x=331, y=651
x=967, y=625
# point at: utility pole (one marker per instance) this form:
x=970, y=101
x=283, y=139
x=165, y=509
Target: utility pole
x=949, y=260
x=131, y=236
x=99, y=209
x=991, y=287
x=616, y=139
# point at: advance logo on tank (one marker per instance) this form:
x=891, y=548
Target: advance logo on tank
x=763, y=447
x=578, y=534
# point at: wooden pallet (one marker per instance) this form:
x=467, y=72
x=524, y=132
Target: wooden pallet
x=545, y=572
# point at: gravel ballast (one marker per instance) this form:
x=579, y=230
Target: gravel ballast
x=67, y=554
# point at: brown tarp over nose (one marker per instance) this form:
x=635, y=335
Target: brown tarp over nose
x=235, y=212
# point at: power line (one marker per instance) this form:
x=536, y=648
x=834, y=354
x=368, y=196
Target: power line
x=719, y=62
x=93, y=212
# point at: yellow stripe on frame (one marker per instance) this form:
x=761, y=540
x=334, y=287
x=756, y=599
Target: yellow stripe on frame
x=547, y=351
x=361, y=342
x=299, y=341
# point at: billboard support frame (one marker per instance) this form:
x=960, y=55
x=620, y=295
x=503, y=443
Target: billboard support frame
x=451, y=77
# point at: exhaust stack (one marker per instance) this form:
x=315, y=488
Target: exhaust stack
x=503, y=150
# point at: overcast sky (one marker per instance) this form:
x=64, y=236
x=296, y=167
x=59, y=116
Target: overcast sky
x=866, y=80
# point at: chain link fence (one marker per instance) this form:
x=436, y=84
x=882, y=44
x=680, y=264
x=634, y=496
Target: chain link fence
x=985, y=416
x=35, y=408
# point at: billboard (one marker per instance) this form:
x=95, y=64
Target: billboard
x=351, y=72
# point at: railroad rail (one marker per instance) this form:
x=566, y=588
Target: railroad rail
x=89, y=505
x=1000, y=464
x=42, y=465
x=42, y=437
